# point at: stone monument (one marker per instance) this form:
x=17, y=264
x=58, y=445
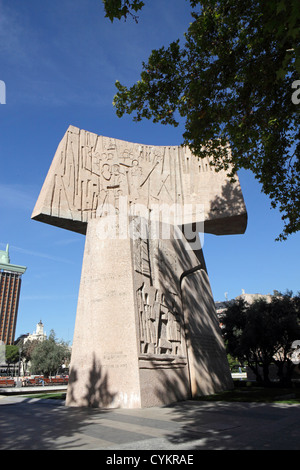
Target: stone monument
x=146, y=330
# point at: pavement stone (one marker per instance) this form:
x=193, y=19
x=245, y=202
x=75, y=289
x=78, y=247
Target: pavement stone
x=28, y=423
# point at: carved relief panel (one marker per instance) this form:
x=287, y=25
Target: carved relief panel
x=160, y=319
x=92, y=171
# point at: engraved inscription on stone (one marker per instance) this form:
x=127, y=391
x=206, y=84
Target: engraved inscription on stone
x=115, y=360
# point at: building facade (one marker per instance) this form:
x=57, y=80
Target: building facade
x=39, y=334
x=10, y=286
x=222, y=306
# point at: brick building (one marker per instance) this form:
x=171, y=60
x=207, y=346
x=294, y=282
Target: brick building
x=10, y=286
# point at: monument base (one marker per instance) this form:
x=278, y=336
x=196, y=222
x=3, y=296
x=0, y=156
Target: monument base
x=104, y=363
x=146, y=330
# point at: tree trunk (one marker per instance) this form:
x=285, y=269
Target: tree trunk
x=254, y=368
x=265, y=367
x=284, y=372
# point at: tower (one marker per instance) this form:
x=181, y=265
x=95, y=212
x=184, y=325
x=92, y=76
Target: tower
x=10, y=286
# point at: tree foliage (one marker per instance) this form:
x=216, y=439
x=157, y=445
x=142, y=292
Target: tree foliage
x=48, y=356
x=262, y=333
x=26, y=351
x=122, y=8
x=11, y=353
x=232, y=82
x=11, y=356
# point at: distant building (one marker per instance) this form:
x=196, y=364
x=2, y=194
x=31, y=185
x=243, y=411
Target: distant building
x=221, y=306
x=250, y=298
x=10, y=286
x=38, y=335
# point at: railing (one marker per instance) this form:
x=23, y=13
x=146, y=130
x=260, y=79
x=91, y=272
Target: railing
x=33, y=382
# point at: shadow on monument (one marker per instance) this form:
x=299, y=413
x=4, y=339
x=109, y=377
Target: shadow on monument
x=229, y=205
x=97, y=388
x=202, y=333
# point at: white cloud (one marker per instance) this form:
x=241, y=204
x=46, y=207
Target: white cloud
x=41, y=255
x=38, y=254
x=14, y=35
x=48, y=297
x=16, y=196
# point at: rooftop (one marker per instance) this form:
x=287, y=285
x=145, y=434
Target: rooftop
x=6, y=265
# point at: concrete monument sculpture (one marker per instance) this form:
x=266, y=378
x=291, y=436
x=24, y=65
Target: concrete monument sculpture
x=146, y=331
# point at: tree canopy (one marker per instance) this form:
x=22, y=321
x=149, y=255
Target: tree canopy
x=263, y=333
x=11, y=355
x=235, y=82
x=49, y=355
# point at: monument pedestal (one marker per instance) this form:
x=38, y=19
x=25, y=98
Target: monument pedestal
x=104, y=366
x=141, y=336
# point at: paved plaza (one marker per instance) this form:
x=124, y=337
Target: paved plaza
x=37, y=424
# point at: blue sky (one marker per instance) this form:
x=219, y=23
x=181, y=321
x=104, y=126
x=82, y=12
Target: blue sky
x=59, y=61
